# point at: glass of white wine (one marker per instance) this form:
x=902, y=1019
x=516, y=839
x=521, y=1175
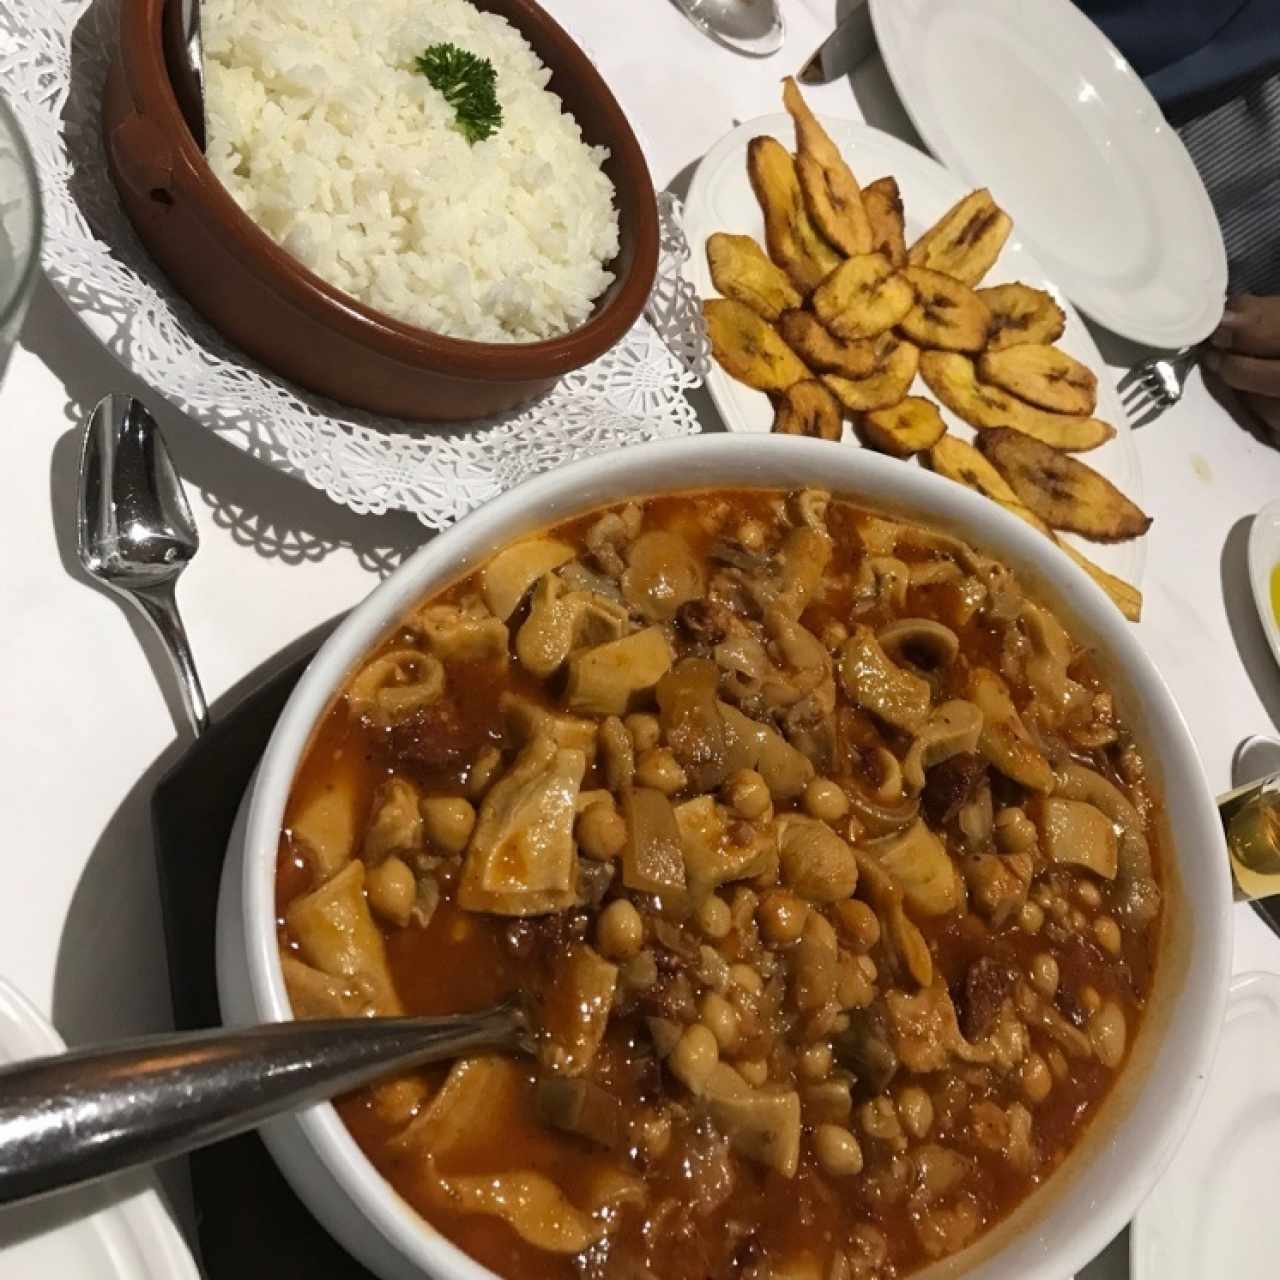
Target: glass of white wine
x=1251, y=820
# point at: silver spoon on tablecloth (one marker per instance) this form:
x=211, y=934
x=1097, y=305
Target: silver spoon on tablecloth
x=134, y=530
x=751, y=27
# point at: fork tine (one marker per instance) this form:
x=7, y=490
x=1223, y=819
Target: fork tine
x=1136, y=393
x=1148, y=416
x=1129, y=376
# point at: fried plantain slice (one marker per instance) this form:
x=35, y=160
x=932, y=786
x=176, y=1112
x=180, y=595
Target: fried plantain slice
x=820, y=349
x=954, y=380
x=830, y=190
x=863, y=297
x=895, y=370
x=1062, y=491
x=947, y=314
x=1042, y=375
x=741, y=269
x=966, y=240
x=749, y=348
x=953, y=458
x=1127, y=597
x=903, y=429
x=883, y=204
x=960, y=461
x=807, y=408
x=793, y=241
x=1020, y=313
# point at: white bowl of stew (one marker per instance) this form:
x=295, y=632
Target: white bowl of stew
x=933, y=980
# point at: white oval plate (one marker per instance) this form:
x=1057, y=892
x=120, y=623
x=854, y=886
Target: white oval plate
x=1264, y=555
x=1033, y=101
x=721, y=199
x=116, y=1230
x=1214, y=1211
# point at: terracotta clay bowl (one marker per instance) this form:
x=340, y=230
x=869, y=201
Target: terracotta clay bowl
x=281, y=314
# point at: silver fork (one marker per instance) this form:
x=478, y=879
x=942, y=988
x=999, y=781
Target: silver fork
x=1154, y=385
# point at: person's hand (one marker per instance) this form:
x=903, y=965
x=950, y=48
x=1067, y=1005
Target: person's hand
x=1244, y=352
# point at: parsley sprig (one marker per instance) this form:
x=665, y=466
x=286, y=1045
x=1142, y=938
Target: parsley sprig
x=469, y=86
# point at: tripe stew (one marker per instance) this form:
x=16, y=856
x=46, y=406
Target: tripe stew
x=816, y=846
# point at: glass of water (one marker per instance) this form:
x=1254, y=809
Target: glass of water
x=20, y=229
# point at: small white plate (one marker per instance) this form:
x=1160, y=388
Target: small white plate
x=1214, y=1212
x=720, y=199
x=1264, y=556
x=116, y=1230
x=1034, y=102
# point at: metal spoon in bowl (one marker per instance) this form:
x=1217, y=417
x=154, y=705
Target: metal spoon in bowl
x=751, y=27
x=82, y=1115
x=134, y=528
x=184, y=55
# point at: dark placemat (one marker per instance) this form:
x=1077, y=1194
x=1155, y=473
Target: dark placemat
x=250, y=1224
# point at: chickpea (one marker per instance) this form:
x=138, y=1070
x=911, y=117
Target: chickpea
x=1014, y=831
x=1077, y=921
x=714, y=917
x=858, y=923
x=747, y=795
x=742, y=907
x=1107, y=935
x=1030, y=917
x=721, y=1019
x=746, y=978
x=1044, y=974
x=644, y=730
x=1036, y=1078
x=1107, y=1034
x=392, y=890
x=824, y=799
x=484, y=768
x=755, y=1071
x=694, y=1058
x=837, y=1150
x=1059, y=908
x=781, y=916
x=1043, y=896
x=601, y=831
x=448, y=822
x=1057, y=1063
x=1090, y=1000
x=879, y=1119
x=751, y=534
x=1088, y=894
x=619, y=931
x=915, y=1110
x=658, y=768
x=652, y=1132
x=815, y=1062
x=868, y=967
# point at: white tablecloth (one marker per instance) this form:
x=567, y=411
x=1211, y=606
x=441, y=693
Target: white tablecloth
x=88, y=729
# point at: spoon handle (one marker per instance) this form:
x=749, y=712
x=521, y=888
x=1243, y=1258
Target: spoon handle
x=159, y=606
x=82, y=1115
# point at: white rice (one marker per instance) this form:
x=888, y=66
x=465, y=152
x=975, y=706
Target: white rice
x=346, y=156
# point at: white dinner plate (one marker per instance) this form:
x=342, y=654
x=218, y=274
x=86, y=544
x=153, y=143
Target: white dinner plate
x=720, y=199
x=1033, y=101
x=116, y=1230
x=1214, y=1212
x=1264, y=556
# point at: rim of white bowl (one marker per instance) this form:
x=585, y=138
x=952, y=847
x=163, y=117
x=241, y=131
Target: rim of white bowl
x=693, y=463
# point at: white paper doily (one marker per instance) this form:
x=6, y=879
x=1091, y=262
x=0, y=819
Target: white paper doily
x=54, y=56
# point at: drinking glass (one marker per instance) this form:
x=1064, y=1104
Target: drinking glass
x=20, y=230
